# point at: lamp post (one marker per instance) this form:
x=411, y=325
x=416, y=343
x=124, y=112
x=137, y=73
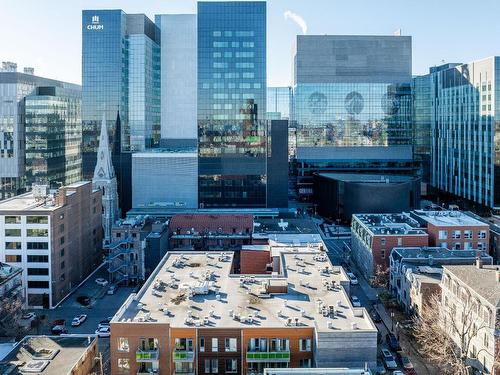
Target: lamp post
x=392, y=321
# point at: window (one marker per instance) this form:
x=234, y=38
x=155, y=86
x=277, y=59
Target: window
x=305, y=345
x=443, y=234
x=217, y=33
x=215, y=366
x=38, y=271
x=467, y=246
x=13, y=245
x=382, y=241
x=230, y=344
x=382, y=254
x=482, y=234
x=61, y=228
x=13, y=258
x=456, y=246
x=12, y=232
x=305, y=363
x=248, y=44
x=485, y=340
x=62, y=265
x=37, y=232
x=37, y=219
x=400, y=241
x=37, y=245
x=12, y=219
x=444, y=245
x=231, y=365
x=62, y=252
x=481, y=246
x=456, y=234
x=467, y=234
x=123, y=344
x=123, y=364
x=202, y=345
x=207, y=366
x=38, y=284
x=184, y=344
x=215, y=345
x=38, y=258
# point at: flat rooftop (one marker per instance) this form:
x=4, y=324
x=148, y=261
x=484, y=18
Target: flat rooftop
x=447, y=218
x=481, y=280
x=26, y=202
x=390, y=224
x=294, y=297
x=411, y=253
x=45, y=355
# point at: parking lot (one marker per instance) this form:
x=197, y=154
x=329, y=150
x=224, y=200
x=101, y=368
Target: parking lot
x=101, y=306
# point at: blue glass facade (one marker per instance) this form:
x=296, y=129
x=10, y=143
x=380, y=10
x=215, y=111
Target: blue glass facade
x=121, y=75
x=232, y=131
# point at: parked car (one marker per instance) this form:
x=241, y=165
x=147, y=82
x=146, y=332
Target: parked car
x=112, y=289
x=355, y=301
x=389, y=361
x=77, y=320
x=352, y=277
x=58, y=327
x=397, y=373
x=410, y=372
x=104, y=323
x=100, y=281
x=83, y=300
x=375, y=315
x=102, y=332
x=381, y=369
x=58, y=322
x=28, y=316
x=406, y=363
x=393, y=342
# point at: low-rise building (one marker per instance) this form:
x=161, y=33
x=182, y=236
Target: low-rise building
x=55, y=238
x=195, y=315
x=210, y=231
x=470, y=296
x=375, y=235
x=137, y=246
x=415, y=272
x=454, y=230
x=318, y=371
x=53, y=355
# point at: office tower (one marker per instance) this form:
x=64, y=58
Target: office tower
x=352, y=105
x=421, y=112
x=56, y=239
x=121, y=75
x=104, y=179
x=465, y=117
x=53, y=135
x=14, y=88
x=178, y=79
x=232, y=132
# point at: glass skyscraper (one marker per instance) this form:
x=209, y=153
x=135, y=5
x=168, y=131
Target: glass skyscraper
x=120, y=75
x=465, y=123
x=232, y=131
x=53, y=135
x=351, y=106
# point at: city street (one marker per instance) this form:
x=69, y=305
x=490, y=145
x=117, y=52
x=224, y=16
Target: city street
x=337, y=244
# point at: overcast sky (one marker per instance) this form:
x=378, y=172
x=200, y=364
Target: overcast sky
x=46, y=34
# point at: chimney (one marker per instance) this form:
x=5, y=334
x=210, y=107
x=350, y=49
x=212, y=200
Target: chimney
x=479, y=260
x=60, y=196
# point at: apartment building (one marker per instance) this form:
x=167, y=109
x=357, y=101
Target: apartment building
x=12, y=295
x=195, y=315
x=415, y=272
x=55, y=238
x=375, y=235
x=137, y=246
x=53, y=355
x=454, y=230
x=472, y=293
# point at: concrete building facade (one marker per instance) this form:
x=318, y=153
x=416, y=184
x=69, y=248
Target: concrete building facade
x=56, y=239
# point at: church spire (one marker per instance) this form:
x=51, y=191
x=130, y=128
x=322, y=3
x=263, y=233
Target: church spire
x=105, y=180
x=104, y=167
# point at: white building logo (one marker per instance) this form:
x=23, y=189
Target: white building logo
x=95, y=24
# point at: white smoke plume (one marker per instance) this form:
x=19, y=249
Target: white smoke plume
x=297, y=19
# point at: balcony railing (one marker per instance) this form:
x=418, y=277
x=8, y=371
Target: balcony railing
x=147, y=372
x=147, y=355
x=183, y=356
x=283, y=356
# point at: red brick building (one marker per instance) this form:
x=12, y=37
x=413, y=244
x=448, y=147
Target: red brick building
x=375, y=235
x=454, y=230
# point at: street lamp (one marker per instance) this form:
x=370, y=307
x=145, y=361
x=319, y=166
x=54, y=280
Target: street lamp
x=392, y=321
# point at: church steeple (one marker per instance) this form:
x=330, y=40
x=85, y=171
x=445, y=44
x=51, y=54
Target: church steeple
x=105, y=179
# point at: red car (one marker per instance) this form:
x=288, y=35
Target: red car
x=58, y=322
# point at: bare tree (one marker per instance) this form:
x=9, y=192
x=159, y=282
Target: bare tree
x=10, y=315
x=380, y=277
x=445, y=334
